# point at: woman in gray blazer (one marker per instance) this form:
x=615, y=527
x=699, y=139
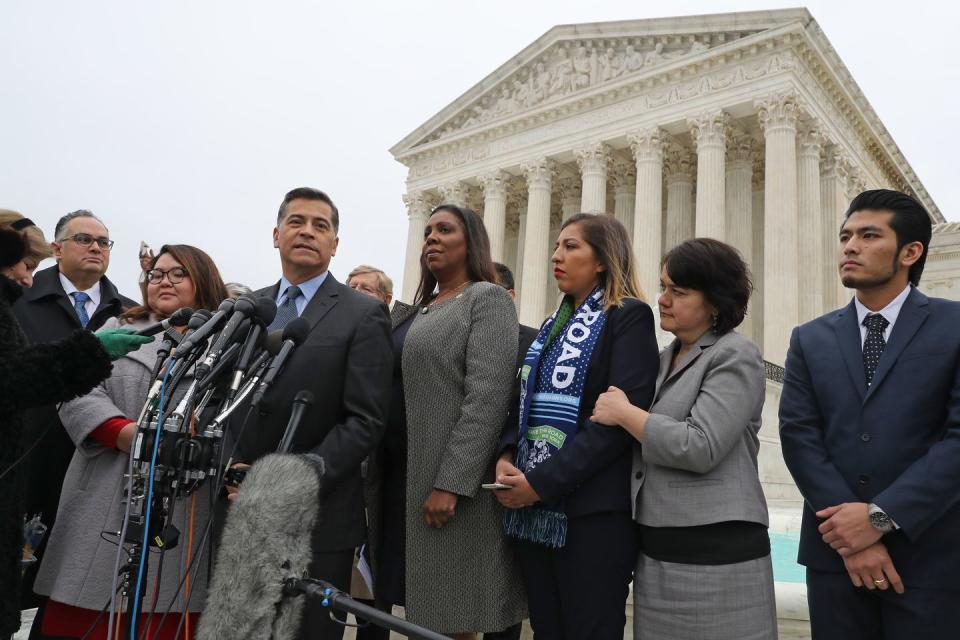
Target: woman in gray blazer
x=704, y=568
x=78, y=568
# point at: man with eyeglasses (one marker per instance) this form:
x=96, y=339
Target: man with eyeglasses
x=75, y=293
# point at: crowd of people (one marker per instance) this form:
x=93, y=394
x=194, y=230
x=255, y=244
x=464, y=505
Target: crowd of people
x=478, y=472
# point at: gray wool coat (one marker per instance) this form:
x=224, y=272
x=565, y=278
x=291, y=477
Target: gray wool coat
x=78, y=566
x=459, y=362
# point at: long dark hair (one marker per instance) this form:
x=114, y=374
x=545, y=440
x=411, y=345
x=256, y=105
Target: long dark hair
x=210, y=290
x=479, y=263
x=611, y=244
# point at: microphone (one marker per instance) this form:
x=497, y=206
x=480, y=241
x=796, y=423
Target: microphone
x=191, y=341
x=265, y=541
x=293, y=336
x=266, y=312
x=179, y=318
x=301, y=403
x=242, y=308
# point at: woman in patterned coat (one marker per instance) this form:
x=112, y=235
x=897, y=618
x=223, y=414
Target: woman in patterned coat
x=459, y=357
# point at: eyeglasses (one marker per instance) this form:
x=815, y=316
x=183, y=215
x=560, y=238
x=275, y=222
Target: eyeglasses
x=85, y=240
x=174, y=275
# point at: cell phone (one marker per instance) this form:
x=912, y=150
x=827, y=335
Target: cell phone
x=496, y=486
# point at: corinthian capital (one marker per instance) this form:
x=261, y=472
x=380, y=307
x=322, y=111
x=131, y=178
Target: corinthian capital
x=680, y=163
x=834, y=163
x=810, y=140
x=418, y=204
x=778, y=111
x=740, y=149
x=495, y=184
x=623, y=174
x=456, y=193
x=709, y=129
x=593, y=158
x=539, y=172
x=648, y=145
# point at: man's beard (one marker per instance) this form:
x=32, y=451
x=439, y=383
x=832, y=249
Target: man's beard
x=871, y=282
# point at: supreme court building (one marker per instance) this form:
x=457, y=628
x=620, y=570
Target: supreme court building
x=746, y=127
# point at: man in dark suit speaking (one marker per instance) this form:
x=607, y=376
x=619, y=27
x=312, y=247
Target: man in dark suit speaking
x=346, y=363
x=870, y=429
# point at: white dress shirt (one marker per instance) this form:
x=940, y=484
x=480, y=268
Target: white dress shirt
x=890, y=312
x=94, y=293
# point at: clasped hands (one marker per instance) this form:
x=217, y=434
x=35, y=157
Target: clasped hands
x=847, y=529
x=522, y=494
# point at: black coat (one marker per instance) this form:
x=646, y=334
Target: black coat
x=592, y=473
x=46, y=314
x=346, y=361
x=31, y=376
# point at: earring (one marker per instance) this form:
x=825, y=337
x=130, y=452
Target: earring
x=713, y=322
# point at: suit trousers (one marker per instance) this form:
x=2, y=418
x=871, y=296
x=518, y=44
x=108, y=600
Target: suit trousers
x=841, y=611
x=580, y=591
x=336, y=567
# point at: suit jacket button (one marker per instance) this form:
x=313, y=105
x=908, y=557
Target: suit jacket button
x=638, y=475
x=863, y=479
x=865, y=437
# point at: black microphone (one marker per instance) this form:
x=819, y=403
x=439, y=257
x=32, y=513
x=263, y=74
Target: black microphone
x=191, y=341
x=243, y=307
x=266, y=312
x=301, y=402
x=293, y=336
x=179, y=318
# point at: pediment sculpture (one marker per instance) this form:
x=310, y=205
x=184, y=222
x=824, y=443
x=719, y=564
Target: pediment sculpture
x=567, y=68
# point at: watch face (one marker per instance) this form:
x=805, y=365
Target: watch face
x=879, y=520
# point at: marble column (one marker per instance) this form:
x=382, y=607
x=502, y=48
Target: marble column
x=495, y=210
x=418, y=209
x=679, y=167
x=539, y=175
x=569, y=190
x=593, y=161
x=623, y=174
x=648, y=148
x=709, y=134
x=738, y=191
x=756, y=301
x=455, y=193
x=810, y=222
x=778, y=115
x=833, y=206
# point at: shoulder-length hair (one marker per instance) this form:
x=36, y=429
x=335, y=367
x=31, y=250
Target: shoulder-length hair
x=210, y=289
x=37, y=247
x=611, y=244
x=479, y=263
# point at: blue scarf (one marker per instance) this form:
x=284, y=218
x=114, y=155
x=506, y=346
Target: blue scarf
x=550, y=393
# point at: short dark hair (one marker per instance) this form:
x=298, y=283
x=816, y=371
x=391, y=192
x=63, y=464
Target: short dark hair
x=62, y=223
x=504, y=276
x=479, y=264
x=308, y=193
x=910, y=221
x=716, y=270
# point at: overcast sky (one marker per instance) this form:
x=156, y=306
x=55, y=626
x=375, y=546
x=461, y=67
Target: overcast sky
x=186, y=122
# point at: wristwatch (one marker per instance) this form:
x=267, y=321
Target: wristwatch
x=879, y=519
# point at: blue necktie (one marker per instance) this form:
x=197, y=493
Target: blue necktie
x=874, y=344
x=80, y=300
x=286, y=311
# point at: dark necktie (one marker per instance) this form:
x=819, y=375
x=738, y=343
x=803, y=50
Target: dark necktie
x=286, y=311
x=79, y=305
x=874, y=344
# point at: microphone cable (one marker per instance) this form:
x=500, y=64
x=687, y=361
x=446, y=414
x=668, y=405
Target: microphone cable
x=149, y=505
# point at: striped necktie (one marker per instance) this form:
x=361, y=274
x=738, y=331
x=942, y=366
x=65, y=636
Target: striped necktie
x=286, y=311
x=80, y=300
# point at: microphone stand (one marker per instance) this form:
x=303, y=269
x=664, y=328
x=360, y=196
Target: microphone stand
x=340, y=601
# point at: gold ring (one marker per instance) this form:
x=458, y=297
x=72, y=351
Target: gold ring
x=880, y=581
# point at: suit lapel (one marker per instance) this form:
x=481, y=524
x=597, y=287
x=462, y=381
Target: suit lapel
x=400, y=312
x=912, y=316
x=706, y=340
x=851, y=345
x=323, y=300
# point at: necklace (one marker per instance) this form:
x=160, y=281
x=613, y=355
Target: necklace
x=442, y=296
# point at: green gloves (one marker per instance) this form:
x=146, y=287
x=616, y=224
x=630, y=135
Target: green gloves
x=119, y=342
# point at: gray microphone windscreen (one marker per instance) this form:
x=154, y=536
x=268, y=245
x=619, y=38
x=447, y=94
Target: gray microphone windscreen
x=266, y=540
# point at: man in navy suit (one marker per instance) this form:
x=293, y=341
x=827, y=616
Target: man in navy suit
x=870, y=429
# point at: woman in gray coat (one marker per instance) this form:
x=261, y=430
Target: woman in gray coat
x=704, y=568
x=78, y=569
x=459, y=358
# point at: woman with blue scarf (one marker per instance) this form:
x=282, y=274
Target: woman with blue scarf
x=569, y=501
